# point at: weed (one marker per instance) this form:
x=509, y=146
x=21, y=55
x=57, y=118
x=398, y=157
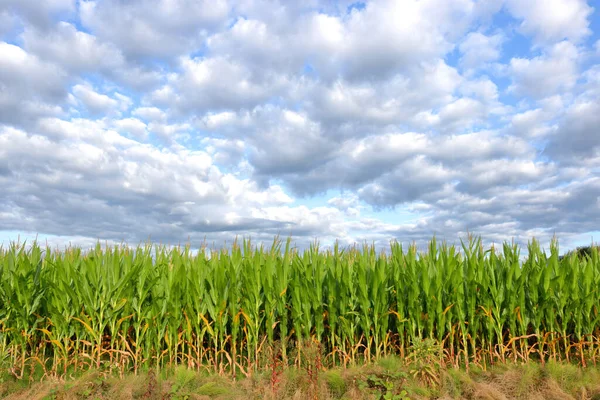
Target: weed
x=335, y=383
x=424, y=362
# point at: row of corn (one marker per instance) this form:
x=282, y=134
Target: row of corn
x=235, y=309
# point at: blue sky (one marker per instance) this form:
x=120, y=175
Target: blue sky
x=369, y=121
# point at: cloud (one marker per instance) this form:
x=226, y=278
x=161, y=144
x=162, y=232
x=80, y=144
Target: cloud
x=81, y=52
x=348, y=203
x=478, y=49
x=413, y=179
x=532, y=123
x=75, y=50
x=115, y=180
x=397, y=100
x=132, y=126
x=150, y=113
x=495, y=174
x=387, y=37
x=162, y=29
x=177, y=119
x=30, y=88
x=38, y=13
x=576, y=138
x=7, y=22
x=99, y=103
x=549, y=21
x=216, y=84
x=95, y=102
x=546, y=75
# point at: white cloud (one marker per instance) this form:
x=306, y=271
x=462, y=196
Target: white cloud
x=386, y=37
x=21, y=68
x=216, y=83
x=216, y=120
x=167, y=131
x=348, y=203
x=462, y=114
x=76, y=50
x=150, y=113
x=253, y=42
x=551, y=21
x=478, y=49
x=548, y=74
x=36, y=12
x=153, y=29
x=532, y=123
x=194, y=119
x=156, y=191
x=498, y=173
x=397, y=99
x=132, y=126
x=96, y=103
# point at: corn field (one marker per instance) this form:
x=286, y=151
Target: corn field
x=236, y=310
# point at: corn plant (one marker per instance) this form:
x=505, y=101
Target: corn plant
x=151, y=307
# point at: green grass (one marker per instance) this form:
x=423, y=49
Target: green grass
x=390, y=379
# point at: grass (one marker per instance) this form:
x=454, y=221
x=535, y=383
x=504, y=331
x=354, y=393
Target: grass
x=390, y=378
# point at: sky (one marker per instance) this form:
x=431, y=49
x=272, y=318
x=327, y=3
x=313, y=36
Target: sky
x=191, y=121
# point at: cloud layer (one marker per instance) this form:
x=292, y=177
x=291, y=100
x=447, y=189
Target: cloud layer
x=183, y=120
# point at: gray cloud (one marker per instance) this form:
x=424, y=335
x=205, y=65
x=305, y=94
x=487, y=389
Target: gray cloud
x=29, y=87
x=182, y=119
x=38, y=13
x=576, y=139
x=161, y=29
